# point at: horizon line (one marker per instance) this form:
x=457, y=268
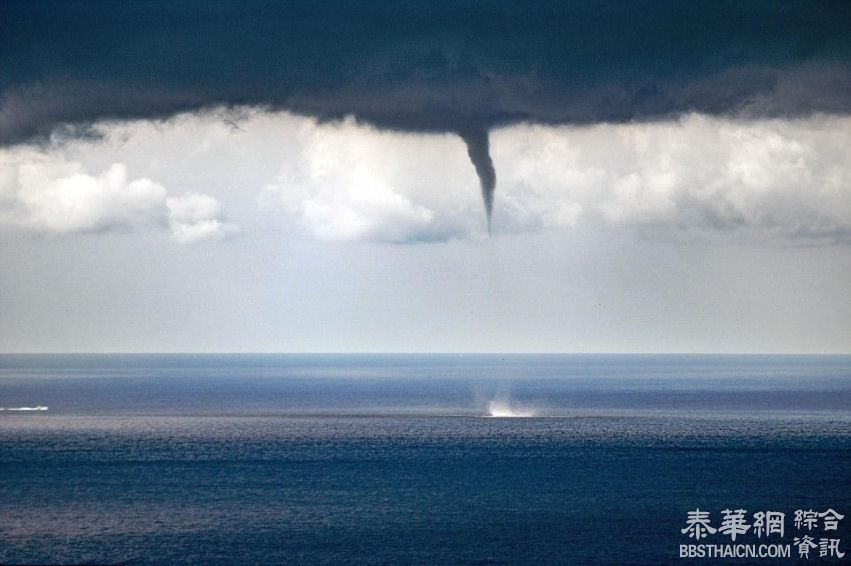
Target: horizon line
x=412, y=353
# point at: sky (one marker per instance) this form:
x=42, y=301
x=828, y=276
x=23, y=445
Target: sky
x=425, y=177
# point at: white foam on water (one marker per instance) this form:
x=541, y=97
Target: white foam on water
x=36, y=408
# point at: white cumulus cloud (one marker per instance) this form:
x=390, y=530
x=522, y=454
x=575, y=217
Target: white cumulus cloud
x=787, y=178
x=50, y=194
x=346, y=181
x=693, y=177
x=45, y=192
x=708, y=177
x=194, y=217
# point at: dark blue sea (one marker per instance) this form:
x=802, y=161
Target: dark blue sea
x=407, y=459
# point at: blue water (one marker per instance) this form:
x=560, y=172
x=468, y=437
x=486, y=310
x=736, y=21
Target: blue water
x=391, y=459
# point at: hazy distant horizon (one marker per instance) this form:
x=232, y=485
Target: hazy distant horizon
x=407, y=353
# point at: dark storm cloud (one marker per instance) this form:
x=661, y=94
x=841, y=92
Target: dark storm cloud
x=461, y=67
x=425, y=66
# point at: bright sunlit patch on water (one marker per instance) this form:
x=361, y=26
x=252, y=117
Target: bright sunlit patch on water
x=502, y=409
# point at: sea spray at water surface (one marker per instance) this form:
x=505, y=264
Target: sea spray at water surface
x=501, y=408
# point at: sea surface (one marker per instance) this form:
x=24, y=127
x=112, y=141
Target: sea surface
x=413, y=459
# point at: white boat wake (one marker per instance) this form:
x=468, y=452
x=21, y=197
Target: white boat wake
x=36, y=408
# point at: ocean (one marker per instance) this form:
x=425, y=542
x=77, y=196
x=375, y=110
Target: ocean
x=416, y=459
